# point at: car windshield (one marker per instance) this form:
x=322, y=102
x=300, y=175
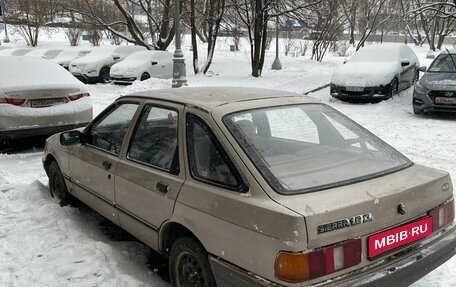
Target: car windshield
x=444, y=64
x=310, y=147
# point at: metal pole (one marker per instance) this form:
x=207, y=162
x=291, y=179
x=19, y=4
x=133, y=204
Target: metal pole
x=179, y=73
x=276, y=65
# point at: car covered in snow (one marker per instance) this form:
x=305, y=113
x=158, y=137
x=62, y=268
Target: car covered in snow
x=66, y=57
x=14, y=52
x=95, y=66
x=38, y=97
x=142, y=66
x=256, y=187
x=375, y=72
x=44, y=53
x=436, y=89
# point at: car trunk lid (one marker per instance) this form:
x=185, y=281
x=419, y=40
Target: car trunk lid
x=368, y=207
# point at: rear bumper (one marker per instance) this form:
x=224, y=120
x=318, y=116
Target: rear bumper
x=31, y=132
x=397, y=273
x=123, y=80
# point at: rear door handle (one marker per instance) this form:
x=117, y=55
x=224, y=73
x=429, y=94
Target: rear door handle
x=162, y=187
x=107, y=165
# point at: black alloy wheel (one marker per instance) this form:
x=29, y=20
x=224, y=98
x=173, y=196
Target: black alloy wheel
x=104, y=75
x=145, y=76
x=394, y=88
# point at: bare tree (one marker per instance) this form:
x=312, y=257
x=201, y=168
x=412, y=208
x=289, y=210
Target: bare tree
x=30, y=16
x=330, y=21
x=255, y=15
x=371, y=19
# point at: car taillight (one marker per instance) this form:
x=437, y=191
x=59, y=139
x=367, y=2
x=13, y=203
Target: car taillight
x=12, y=101
x=443, y=215
x=77, y=96
x=298, y=267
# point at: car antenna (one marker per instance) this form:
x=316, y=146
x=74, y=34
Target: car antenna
x=451, y=56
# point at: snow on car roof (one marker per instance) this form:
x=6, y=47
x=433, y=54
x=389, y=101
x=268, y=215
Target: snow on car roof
x=377, y=53
x=21, y=73
x=209, y=98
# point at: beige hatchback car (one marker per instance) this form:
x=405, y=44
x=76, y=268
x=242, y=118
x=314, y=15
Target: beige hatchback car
x=255, y=187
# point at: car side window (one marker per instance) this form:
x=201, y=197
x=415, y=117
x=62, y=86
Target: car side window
x=208, y=160
x=154, y=141
x=109, y=131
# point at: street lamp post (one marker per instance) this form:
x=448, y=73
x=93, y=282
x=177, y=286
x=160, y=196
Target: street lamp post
x=276, y=65
x=179, y=73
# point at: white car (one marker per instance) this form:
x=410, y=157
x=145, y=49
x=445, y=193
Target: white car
x=38, y=97
x=66, y=57
x=14, y=52
x=44, y=53
x=375, y=72
x=142, y=66
x=95, y=66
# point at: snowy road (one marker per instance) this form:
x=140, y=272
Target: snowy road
x=42, y=244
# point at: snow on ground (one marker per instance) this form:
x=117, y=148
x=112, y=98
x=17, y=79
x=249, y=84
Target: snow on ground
x=42, y=244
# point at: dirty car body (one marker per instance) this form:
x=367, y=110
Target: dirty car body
x=268, y=188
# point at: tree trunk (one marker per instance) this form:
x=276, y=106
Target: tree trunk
x=193, y=35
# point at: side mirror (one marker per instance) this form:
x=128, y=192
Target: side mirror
x=345, y=60
x=154, y=63
x=405, y=63
x=422, y=69
x=116, y=57
x=71, y=138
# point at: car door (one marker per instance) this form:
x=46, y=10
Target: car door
x=92, y=164
x=149, y=177
x=408, y=71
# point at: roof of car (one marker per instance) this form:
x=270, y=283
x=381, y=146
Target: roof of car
x=210, y=97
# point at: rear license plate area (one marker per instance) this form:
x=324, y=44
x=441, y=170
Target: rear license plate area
x=47, y=102
x=394, y=238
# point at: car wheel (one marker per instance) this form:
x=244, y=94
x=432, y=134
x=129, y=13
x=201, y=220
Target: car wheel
x=394, y=88
x=189, y=265
x=145, y=76
x=57, y=185
x=416, y=111
x=104, y=75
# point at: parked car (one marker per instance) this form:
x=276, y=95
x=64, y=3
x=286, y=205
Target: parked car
x=142, y=66
x=44, y=53
x=38, y=97
x=436, y=90
x=14, y=52
x=66, y=57
x=255, y=187
x=375, y=72
x=95, y=66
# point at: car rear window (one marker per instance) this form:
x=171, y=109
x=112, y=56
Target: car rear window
x=310, y=147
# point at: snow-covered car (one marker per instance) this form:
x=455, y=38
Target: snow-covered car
x=15, y=52
x=436, y=89
x=66, y=57
x=142, y=66
x=38, y=97
x=95, y=66
x=256, y=187
x=375, y=72
x=44, y=53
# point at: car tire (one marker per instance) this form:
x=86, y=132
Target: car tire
x=189, y=264
x=394, y=88
x=57, y=185
x=416, y=111
x=104, y=75
x=145, y=76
